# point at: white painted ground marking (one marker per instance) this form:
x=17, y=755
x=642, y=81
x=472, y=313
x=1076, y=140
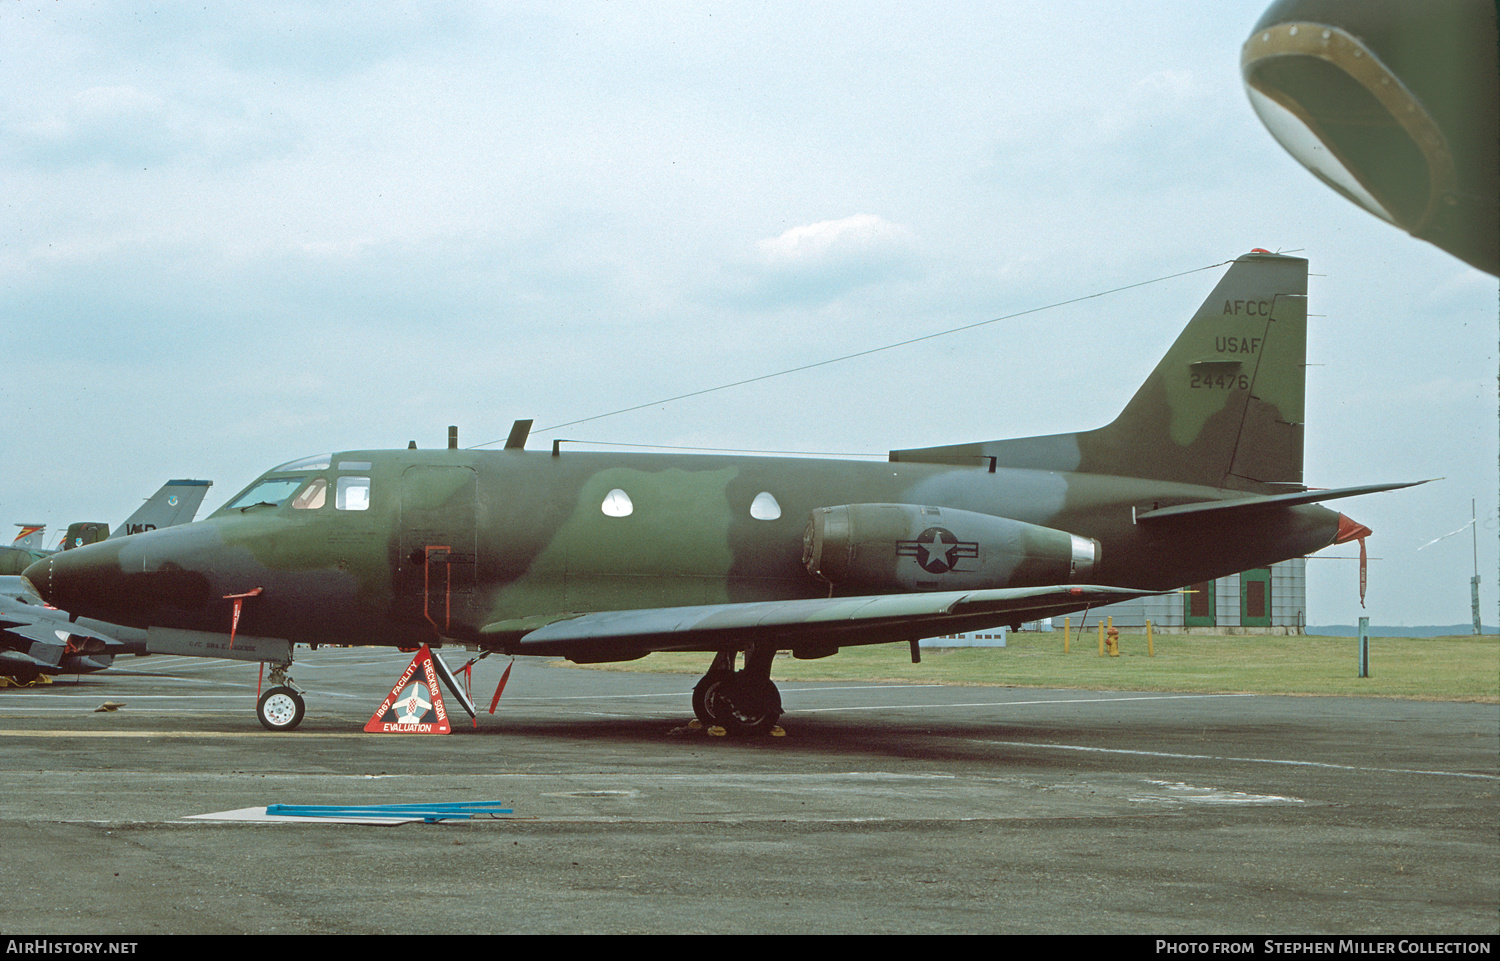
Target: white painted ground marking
x=1061, y=700
x=1238, y=760
x=1178, y=791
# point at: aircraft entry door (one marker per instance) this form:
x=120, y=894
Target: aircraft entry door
x=437, y=547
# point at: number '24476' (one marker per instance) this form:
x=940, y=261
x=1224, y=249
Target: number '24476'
x=1220, y=381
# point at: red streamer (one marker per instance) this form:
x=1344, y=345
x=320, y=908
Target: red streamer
x=503, y=678
x=1362, y=562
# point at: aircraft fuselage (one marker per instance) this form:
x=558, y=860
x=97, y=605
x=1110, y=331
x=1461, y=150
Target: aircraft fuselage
x=410, y=546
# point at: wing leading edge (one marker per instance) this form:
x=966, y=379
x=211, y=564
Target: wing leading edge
x=813, y=623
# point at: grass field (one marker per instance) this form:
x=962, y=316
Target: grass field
x=1463, y=668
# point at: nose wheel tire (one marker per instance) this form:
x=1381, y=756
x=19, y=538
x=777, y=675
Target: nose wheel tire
x=280, y=709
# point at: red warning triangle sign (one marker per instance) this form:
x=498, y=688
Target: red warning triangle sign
x=415, y=704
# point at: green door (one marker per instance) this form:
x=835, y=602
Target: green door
x=1198, y=606
x=1255, y=598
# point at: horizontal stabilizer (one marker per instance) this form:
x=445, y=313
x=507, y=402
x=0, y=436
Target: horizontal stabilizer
x=849, y=621
x=1248, y=505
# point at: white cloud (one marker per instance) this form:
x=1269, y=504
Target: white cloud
x=121, y=123
x=820, y=262
x=863, y=238
x=127, y=126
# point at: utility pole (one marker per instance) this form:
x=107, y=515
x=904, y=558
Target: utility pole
x=1474, y=584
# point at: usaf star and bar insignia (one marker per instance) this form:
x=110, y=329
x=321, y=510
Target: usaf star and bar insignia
x=937, y=550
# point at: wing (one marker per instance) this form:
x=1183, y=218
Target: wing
x=816, y=622
x=45, y=624
x=25, y=615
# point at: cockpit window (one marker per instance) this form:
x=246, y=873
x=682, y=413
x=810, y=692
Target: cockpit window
x=308, y=464
x=352, y=494
x=270, y=491
x=313, y=497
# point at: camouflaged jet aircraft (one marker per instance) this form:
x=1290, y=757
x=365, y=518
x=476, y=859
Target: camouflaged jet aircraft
x=606, y=557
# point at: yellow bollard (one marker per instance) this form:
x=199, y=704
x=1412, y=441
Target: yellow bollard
x=1150, y=644
x=1101, y=638
x=1067, y=633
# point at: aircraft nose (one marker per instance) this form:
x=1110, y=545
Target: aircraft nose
x=1350, y=530
x=86, y=580
x=107, y=581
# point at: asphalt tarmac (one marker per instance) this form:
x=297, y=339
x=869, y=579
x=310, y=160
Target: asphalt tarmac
x=885, y=808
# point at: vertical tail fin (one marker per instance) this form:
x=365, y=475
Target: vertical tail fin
x=1223, y=408
x=29, y=536
x=176, y=503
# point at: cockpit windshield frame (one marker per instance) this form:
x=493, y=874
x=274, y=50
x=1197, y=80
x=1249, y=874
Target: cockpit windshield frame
x=272, y=491
x=304, y=464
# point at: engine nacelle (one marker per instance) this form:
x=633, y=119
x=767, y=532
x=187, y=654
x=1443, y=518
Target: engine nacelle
x=906, y=547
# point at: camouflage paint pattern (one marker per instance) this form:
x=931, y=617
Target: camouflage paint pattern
x=604, y=556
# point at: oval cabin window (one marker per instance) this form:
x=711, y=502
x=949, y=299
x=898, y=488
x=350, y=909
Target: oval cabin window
x=617, y=504
x=764, y=507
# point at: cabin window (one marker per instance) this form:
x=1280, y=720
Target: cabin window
x=617, y=504
x=312, y=497
x=352, y=494
x=765, y=507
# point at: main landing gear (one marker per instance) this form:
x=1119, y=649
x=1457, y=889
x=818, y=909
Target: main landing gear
x=281, y=707
x=743, y=702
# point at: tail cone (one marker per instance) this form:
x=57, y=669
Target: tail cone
x=1350, y=530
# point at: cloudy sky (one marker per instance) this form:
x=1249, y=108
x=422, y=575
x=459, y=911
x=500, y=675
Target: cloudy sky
x=235, y=236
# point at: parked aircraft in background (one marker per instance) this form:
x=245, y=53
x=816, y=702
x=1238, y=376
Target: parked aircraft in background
x=37, y=639
x=606, y=557
x=24, y=551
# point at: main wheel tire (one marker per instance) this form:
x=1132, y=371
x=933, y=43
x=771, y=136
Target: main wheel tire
x=280, y=709
x=701, y=706
x=742, y=706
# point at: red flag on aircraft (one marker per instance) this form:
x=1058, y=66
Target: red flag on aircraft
x=234, y=619
x=415, y=704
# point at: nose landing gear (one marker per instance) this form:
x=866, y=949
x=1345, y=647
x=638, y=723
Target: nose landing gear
x=281, y=707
